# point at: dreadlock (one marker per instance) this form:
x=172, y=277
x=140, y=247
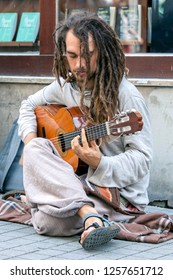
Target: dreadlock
x=110, y=64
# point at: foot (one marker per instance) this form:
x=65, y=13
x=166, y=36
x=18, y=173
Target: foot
x=88, y=227
x=98, y=231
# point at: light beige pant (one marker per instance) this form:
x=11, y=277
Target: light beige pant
x=55, y=192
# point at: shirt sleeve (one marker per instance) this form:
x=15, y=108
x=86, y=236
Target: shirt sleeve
x=52, y=93
x=126, y=160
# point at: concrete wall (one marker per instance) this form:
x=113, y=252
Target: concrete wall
x=12, y=91
x=159, y=97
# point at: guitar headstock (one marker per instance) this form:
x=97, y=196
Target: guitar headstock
x=126, y=123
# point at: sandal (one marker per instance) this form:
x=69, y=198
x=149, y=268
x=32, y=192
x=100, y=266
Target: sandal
x=100, y=235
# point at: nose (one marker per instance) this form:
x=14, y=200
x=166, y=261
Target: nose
x=80, y=62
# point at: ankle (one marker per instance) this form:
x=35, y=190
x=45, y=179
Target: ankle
x=86, y=209
x=92, y=220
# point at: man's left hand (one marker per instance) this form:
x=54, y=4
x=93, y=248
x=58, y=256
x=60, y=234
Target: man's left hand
x=87, y=152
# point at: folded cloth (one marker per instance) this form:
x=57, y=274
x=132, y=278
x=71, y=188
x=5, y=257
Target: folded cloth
x=145, y=227
x=148, y=227
x=111, y=196
x=13, y=210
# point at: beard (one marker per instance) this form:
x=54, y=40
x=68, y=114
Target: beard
x=84, y=79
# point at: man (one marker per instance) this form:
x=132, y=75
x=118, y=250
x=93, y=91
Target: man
x=89, y=66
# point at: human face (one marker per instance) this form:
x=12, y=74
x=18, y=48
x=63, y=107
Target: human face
x=77, y=62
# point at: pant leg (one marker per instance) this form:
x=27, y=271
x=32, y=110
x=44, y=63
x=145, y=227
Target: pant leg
x=54, y=226
x=55, y=193
x=53, y=190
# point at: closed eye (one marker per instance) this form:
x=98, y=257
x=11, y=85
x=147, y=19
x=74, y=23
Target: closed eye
x=72, y=55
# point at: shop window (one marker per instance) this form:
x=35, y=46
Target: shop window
x=145, y=28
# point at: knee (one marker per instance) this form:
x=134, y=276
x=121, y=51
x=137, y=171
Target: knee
x=45, y=224
x=36, y=146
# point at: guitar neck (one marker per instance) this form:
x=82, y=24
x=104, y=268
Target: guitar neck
x=92, y=133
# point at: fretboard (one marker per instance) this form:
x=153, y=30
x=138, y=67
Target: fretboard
x=92, y=133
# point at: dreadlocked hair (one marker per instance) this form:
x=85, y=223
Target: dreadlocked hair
x=110, y=63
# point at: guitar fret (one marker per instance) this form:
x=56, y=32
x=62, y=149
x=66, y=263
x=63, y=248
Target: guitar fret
x=92, y=133
x=96, y=132
x=67, y=138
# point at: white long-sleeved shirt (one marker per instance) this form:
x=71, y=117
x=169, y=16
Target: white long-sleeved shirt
x=126, y=160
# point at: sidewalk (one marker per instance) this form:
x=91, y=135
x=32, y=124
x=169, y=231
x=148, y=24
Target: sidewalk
x=20, y=242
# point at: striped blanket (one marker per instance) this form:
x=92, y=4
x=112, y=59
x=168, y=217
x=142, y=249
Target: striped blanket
x=13, y=210
x=146, y=227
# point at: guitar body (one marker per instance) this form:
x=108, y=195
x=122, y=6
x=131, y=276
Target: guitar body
x=54, y=120
x=61, y=124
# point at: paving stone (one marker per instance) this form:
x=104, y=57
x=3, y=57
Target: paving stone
x=21, y=242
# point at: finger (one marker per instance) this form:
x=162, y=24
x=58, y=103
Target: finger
x=75, y=142
x=84, y=139
x=92, y=144
x=95, y=143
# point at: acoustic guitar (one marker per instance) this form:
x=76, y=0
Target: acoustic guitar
x=61, y=124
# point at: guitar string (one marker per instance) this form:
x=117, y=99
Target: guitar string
x=69, y=147
x=88, y=128
x=90, y=131
x=101, y=128
x=66, y=141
